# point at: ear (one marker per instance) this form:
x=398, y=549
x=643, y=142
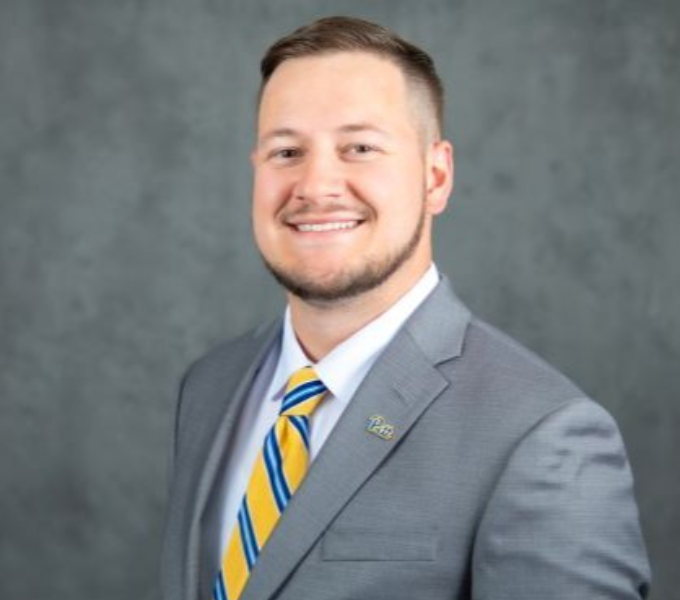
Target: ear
x=439, y=176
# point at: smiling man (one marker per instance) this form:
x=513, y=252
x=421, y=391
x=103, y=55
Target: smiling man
x=379, y=441
x=349, y=171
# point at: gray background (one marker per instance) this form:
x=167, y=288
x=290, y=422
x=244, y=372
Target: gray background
x=125, y=245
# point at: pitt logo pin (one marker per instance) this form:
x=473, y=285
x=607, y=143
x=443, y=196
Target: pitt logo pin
x=377, y=425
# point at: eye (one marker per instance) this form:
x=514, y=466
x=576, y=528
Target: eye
x=284, y=154
x=360, y=149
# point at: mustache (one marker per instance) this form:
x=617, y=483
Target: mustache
x=329, y=208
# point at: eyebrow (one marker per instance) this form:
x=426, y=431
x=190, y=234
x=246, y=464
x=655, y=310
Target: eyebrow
x=360, y=127
x=277, y=133
x=283, y=132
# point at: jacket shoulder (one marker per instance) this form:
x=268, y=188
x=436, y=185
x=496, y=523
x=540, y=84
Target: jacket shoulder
x=508, y=380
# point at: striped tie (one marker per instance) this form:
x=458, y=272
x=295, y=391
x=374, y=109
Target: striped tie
x=278, y=472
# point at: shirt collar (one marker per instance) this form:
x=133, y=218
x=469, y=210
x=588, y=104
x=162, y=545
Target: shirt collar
x=343, y=369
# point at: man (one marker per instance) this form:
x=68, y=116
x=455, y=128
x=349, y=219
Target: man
x=379, y=441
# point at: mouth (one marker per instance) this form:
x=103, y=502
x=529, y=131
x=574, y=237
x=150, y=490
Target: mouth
x=327, y=226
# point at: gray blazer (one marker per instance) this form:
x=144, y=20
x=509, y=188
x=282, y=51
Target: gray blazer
x=502, y=481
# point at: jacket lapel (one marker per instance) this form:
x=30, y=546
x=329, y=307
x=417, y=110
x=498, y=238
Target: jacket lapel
x=230, y=389
x=402, y=383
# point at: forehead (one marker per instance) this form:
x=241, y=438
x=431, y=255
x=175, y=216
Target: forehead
x=343, y=87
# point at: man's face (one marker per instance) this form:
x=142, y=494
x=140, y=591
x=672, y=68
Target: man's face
x=342, y=172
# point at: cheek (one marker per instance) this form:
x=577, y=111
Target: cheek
x=270, y=190
x=396, y=190
x=263, y=206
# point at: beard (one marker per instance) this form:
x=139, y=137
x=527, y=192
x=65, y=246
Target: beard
x=349, y=283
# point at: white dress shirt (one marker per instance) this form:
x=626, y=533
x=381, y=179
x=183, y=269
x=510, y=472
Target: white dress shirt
x=342, y=371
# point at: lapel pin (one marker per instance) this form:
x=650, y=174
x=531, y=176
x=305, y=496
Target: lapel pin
x=380, y=427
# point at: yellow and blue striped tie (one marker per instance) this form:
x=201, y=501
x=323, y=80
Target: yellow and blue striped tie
x=279, y=470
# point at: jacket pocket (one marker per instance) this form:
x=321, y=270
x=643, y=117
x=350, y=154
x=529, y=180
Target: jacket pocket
x=362, y=545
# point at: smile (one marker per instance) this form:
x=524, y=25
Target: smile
x=332, y=226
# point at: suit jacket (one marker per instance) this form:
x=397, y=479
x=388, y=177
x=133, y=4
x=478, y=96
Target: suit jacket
x=502, y=480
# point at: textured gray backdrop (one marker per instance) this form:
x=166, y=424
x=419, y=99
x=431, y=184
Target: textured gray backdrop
x=125, y=246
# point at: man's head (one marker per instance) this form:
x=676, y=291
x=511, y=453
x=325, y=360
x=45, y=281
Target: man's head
x=349, y=164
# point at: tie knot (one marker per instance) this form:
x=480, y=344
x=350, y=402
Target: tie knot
x=304, y=392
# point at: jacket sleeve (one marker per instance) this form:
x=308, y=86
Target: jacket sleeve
x=562, y=521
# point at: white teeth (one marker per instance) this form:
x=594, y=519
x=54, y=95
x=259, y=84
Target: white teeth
x=327, y=226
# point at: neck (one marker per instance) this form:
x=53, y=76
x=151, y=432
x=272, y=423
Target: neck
x=320, y=327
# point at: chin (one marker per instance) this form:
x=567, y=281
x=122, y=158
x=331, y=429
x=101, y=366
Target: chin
x=332, y=286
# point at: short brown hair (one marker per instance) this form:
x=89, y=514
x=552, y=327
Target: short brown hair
x=349, y=34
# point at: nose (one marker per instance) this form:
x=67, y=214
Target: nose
x=320, y=177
